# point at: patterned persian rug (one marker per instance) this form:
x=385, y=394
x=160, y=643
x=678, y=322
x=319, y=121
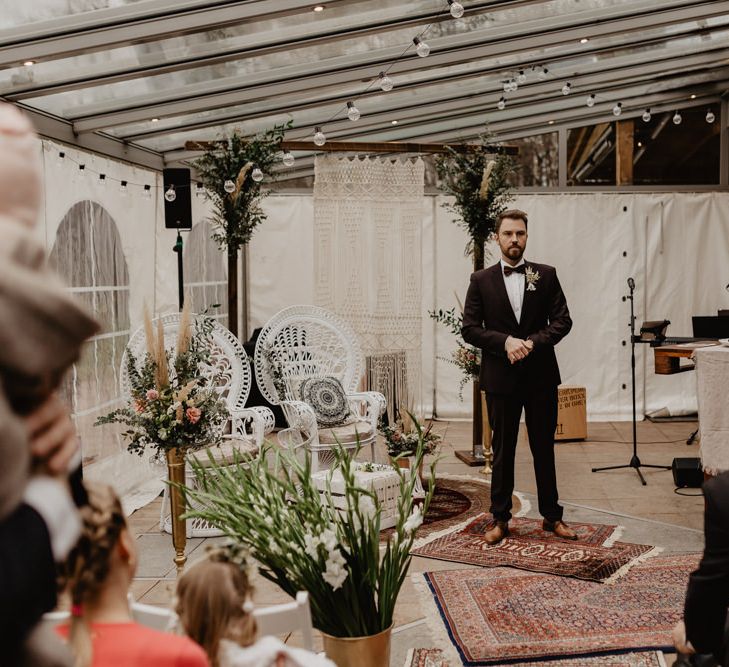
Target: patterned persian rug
x=501, y=616
x=456, y=500
x=433, y=657
x=528, y=547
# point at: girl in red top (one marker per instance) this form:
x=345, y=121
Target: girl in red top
x=98, y=573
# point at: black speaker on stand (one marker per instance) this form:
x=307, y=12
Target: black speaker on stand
x=178, y=215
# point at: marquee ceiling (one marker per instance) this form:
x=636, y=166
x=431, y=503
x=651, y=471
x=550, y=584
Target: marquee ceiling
x=138, y=79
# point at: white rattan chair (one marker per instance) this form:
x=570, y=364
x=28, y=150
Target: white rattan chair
x=302, y=342
x=247, y=426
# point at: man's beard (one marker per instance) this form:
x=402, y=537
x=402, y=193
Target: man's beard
x=515, y=252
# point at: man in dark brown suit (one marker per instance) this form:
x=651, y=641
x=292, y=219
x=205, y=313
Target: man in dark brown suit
x=516, y=313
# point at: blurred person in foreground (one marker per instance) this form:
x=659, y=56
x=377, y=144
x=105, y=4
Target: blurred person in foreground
x=41, y=332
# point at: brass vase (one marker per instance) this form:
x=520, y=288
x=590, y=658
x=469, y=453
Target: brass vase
x=176, y=473
x=369, y=651
x=488, y=453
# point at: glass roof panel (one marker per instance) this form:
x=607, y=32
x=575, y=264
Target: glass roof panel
x=385, y=46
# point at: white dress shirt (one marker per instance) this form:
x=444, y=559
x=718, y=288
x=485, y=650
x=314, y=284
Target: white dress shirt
x=514, y=287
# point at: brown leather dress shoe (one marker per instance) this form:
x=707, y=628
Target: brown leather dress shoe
x=560, y=529
x=496, y=533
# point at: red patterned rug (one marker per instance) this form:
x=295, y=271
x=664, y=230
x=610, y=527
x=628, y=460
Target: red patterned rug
x=528, y=547
x=433, y=657
x=455, y=500
x=504, y=616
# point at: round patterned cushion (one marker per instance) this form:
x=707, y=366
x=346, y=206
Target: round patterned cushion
x=327, y=398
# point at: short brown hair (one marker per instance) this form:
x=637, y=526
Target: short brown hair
x=514, y=214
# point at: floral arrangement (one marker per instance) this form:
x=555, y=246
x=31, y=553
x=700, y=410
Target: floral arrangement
x=172, y=405
x=403, y=438
x=479, y=185
x=465, y=356
x=305, y=536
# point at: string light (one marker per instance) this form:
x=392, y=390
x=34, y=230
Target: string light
x=456, y=9
x=677, y=118
x=385, y=82
x=229, y=186
x=521, y=77
x=199, y=190
x=319, y=138
x=710, y=117
x=590, y=101
x=288, y=159
x=618, y=109
x=102, y=180
x=501, y=104
x=421, y=48
x=257, y=174
x=543, y=73
x=567, y=88
x=123, y=188
x=170, y=194
x=646, y=116
x=147, y=192
x=60, y=159
x=352, y=111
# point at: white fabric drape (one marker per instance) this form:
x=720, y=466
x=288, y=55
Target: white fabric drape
x=367, y=261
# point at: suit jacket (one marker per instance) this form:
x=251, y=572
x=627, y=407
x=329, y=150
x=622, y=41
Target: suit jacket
x=488, y=320
x=707, y=597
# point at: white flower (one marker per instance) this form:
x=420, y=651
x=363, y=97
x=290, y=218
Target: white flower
x=311, y=545
x=335, y=572
x=366, y=506
x=162, y=434
x=272, y=546
x=268, y=519
x=329, y=539
x=413, y=521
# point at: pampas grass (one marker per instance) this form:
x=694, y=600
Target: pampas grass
x=483, y=193
x=241, y=179
x=162, y=373
x=184, y=332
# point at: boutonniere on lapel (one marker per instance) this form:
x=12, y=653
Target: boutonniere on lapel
x=532, y=277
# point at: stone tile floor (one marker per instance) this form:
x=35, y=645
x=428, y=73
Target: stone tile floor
x=651, y=514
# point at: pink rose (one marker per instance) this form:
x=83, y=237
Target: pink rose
x=152, y=395
x=193, y=415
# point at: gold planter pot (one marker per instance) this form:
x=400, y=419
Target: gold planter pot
x=176, y=473
x=369, y=651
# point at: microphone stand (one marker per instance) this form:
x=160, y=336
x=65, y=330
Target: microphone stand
x=634, y=461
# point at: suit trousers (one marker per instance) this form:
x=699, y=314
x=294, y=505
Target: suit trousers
x=540, y=408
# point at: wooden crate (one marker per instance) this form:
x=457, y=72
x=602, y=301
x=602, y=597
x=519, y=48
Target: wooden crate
x=572, y=413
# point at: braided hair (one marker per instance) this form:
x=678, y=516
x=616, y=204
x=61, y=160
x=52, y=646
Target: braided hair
x=89, y=563
x=213, y=599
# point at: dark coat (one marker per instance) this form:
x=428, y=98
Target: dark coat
x=488, y=320
x=707, y=597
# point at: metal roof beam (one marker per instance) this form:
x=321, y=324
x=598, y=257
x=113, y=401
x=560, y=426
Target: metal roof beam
x=138, y=110
x=115, y=27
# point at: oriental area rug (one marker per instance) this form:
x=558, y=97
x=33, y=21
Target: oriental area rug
x=456, y=500
x=594, y=556
x=433, y=657
x=499, y=616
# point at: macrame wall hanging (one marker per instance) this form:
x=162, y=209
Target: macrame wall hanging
x=367, y=263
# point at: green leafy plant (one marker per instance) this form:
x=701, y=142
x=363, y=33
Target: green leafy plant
x=172, y=405
x=478, y=182
x=403, y=438
x=317, y=533
x=238, y=213
x=465, y=357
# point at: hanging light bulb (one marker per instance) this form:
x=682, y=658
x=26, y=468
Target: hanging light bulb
x=199, y=190
x=501, y=104
x=257, y=174
x=567, y=88
x=319, y=138
x=618, y=109
x=170, y=194
x=521, y=77
x=102, y=180
x=590, y=101
x=646, y=116
x=61, y=159
x=421, y=48
x=710, y=117
x=507, y=86
x=147, y=192
x=677, y=118
x=288, y=159
x=385, y=82
x=123, y=188
x=543, y=73
x=513, y=86
x=229, y=186
x=456, y=9
x=352, y=111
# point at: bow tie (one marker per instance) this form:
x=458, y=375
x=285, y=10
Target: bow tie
x=508, y=270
